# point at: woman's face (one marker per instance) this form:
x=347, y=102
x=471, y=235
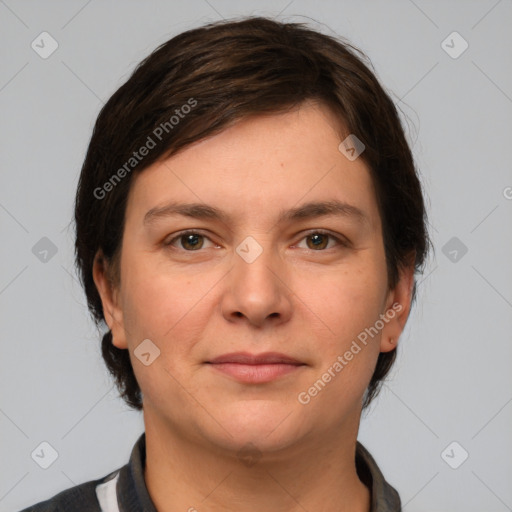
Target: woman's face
x=267, y=270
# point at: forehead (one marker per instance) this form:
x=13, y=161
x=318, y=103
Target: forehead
x=259, y=167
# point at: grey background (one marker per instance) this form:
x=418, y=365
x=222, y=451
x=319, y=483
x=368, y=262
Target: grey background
x=452, y=380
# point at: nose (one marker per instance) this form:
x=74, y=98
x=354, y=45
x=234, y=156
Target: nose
x=256, y=291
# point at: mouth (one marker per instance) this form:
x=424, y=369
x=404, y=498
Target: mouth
x=256, y=369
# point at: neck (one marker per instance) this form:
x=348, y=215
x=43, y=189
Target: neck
x=184, y=474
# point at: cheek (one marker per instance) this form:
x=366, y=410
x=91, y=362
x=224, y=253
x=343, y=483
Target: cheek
x=163, y=307
x=350, y=300
x=350, y=306
x=171, y=315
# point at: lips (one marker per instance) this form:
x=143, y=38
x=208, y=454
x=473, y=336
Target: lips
x=255, y=368
x=246, y=358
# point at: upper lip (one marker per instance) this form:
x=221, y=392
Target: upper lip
x=247, y=358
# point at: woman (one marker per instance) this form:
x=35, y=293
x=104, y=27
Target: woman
x=249, y=223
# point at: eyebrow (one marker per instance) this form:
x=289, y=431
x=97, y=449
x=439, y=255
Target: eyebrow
x=306, y=211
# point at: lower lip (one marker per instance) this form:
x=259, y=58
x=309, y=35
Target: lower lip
x=256, y=373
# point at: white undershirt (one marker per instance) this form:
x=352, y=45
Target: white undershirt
x=107, y=495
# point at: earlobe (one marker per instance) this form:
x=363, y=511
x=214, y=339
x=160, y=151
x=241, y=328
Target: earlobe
x=398, y=307
x=109, y=299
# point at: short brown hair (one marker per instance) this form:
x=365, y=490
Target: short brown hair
x=227, y=71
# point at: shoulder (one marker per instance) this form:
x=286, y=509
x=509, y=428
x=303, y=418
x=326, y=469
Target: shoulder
x=385, y=498
x=80, y=498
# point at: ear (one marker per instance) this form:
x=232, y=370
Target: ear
x=109, y=294
x=397, y=307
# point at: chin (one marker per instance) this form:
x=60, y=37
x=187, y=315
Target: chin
x=267, y=425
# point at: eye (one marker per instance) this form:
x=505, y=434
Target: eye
x=192, y=241
x=189, y=240
x=319, y=240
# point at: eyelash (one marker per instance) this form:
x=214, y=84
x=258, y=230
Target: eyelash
x=338, y=240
